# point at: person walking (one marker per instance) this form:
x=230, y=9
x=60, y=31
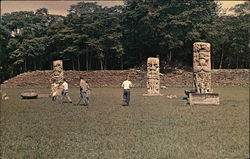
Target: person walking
x=126, y=91
x=84, y=92
x=54, y=90
x=65, y=91
x=88, y=90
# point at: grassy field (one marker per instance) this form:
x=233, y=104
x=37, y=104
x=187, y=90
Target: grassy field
x=152, y=127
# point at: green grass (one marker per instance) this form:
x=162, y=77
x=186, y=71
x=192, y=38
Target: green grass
x=152, y=127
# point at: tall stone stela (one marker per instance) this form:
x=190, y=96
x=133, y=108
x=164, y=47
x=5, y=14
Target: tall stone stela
x=202, y=93
x=58, y=75
x=202, y=67
x=153, y=77
x=57, y=78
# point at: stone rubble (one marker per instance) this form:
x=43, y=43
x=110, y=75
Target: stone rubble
x=114, y=78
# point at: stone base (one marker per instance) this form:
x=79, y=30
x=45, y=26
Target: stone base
x=152, y=94
x=204, y=98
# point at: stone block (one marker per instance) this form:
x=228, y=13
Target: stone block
x=204, y=98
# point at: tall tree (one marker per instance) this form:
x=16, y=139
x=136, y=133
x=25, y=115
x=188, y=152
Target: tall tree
x=166, y=28
x=4, y=55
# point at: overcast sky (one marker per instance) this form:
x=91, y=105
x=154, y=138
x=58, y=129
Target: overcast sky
x=61, y=6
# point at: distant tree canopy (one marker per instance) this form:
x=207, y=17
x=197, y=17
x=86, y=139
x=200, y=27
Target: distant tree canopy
x=92, y=37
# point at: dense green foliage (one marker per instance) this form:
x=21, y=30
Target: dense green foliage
x=92, y=37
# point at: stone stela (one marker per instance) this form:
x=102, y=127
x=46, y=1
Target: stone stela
x=153, y=77
x=202, y=93
x=58, y=72
x=57, y=76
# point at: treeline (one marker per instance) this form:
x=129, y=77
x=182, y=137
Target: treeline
x=92, y=37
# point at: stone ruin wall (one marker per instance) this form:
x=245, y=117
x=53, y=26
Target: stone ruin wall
x=202, y=67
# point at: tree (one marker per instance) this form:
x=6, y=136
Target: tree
x=228, y=36
x=28, y=28
x=166, y=28
x=94, y=37
x=16, y=55
x=98, y=32
x=4, y=40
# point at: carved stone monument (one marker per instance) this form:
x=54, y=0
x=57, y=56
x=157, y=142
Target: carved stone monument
x=153, y=77
x=202, y=94
x=57, y=77
x=58, y=72
x=202, y=67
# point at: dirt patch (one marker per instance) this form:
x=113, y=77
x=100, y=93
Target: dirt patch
x=114, y=78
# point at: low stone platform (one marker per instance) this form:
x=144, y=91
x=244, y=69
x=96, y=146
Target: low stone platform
x=204, y=98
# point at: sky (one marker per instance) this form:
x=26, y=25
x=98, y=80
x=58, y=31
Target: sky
x=60, y=7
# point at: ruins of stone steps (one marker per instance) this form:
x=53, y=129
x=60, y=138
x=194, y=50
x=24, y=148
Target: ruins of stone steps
x=114, y=78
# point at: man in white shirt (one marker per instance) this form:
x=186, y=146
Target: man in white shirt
x=65, y=92
x=126, y=91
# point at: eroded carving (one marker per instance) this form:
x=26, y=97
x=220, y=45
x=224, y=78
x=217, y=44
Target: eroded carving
x=57, y=78
x=202, y=67
x=153, y=76
x=58, y=72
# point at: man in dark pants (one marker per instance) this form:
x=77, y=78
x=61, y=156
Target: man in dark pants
x=84, y=89
x=65, y=92
x=126, y=91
